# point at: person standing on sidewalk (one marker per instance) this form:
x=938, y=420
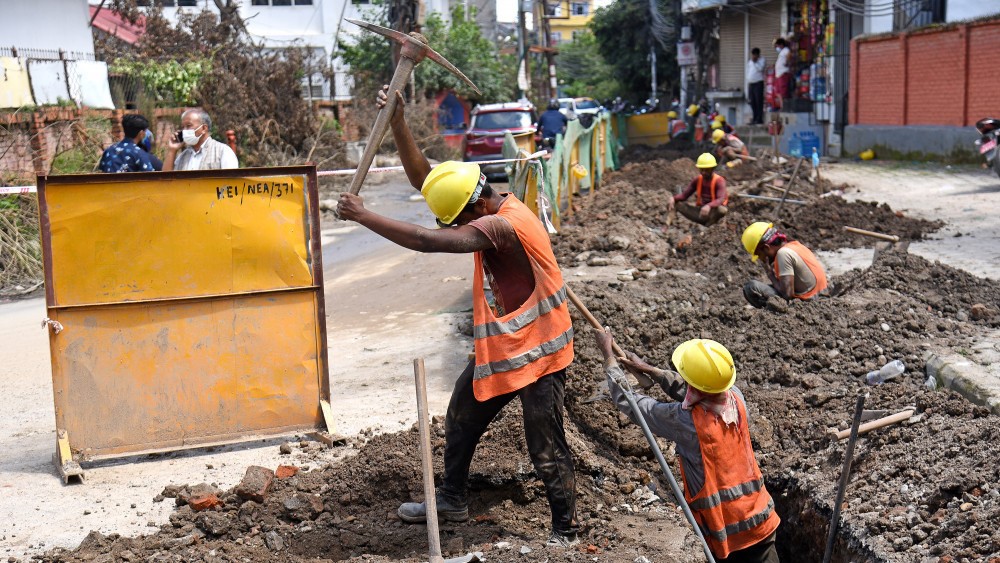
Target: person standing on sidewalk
x=783, y=70
x=755, y=85
x=723, y=484
x=523, y=345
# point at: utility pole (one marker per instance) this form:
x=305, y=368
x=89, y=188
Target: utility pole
x=542, y=9
x=523, y=78
x=652, y=62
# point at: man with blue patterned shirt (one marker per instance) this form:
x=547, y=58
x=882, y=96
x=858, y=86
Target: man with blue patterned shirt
x=126, y=155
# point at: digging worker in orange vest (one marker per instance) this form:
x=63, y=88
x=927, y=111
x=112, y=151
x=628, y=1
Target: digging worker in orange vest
x=522, y=347
x=793, y=271
x=729, y=146
x=710, y=194
x=723, y=484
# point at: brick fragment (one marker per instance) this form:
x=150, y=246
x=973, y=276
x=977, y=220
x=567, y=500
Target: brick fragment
x=285, y=471
x=204, y=502
x=256, y=484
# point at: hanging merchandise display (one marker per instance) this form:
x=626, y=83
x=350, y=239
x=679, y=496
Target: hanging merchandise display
x=813, y=33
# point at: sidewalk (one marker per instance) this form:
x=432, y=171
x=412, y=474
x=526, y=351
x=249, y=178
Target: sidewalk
x=967, y=200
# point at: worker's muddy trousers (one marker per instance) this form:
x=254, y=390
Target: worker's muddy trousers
x=693, y=213
x=757, y=293
x=542, y=403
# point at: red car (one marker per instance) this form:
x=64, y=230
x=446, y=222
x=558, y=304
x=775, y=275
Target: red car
x=484, y=139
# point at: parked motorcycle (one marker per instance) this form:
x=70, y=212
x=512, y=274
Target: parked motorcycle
x=989, y=128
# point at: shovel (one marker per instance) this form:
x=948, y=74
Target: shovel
x=427, y=465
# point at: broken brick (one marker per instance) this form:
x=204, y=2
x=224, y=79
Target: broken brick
x=592, y=549
x=285, y=471
x=256, y=484
x=204, y=502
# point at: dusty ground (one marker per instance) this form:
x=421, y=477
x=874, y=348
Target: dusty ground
x=928, y=491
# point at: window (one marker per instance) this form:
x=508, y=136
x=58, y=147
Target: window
x=164, y=3
x=555, y=37
x=282, y=2
x=188, y=3
x=503, y=120
x=579, y=8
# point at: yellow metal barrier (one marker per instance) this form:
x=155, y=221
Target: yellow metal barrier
x=187, y=308
x=647, y=129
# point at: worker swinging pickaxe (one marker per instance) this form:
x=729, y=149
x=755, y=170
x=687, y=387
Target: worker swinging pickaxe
x=413, y=49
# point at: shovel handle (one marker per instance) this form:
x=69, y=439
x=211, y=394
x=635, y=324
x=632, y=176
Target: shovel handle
x=591, y=319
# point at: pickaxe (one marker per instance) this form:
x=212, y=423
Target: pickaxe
x=414, y=49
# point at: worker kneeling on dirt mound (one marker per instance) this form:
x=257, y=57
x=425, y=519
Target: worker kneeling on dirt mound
x=710, y=194
x=723, y=484
x=793, y=270
x=522, y=347
x=729, y=147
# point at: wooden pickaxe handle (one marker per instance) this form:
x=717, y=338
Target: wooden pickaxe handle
x=880, y=236
x=399, y=80
x=876, y=424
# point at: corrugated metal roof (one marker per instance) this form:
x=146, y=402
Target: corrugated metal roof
x=110, y=22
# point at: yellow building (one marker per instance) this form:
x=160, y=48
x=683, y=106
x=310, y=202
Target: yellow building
x=571, y=17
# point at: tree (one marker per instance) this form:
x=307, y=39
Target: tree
x=623, y=31
x=582, y=70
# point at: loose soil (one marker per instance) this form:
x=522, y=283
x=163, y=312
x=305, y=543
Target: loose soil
x=928, y=490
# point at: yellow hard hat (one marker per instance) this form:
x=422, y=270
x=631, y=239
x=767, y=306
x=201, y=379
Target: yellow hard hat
x=706, y=160
x=672, y=114
x=717, y=135
x=752, y=235
x=450, y=186
x=716, y=125
x=705, y=364
x=867, y=155
x=692, y=109
x=720, y=118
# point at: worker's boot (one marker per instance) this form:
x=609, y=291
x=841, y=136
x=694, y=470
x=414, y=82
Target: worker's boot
x=416, y=512
x=558, y=539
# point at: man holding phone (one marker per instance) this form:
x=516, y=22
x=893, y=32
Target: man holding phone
x=200, y=150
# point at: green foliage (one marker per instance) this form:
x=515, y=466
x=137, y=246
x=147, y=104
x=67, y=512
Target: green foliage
x=462, y=44
x=623, y=34
x=171, y=82
x=582, y=70
x=465, y=47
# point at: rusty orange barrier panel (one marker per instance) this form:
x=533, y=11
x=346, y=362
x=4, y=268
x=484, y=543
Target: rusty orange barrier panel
x=186, y=309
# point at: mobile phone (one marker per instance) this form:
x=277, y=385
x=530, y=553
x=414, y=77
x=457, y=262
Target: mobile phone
x=178, y=137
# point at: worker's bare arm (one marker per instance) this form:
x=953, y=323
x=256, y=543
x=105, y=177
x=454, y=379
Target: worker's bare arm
x=785, y=285
x=455, y=240
x=414, y=162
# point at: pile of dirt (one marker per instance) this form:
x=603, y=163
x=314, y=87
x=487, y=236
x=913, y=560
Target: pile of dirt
x=924, y=491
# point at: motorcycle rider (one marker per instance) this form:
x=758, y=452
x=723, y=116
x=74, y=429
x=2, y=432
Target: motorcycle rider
x=551, y=123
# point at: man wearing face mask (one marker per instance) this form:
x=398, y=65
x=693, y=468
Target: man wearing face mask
x=131, y=154
x=201, y=151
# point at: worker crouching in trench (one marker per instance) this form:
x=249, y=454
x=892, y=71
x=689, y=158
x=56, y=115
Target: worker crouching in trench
x=793, y=271
x=723, y=484
x=710, y=194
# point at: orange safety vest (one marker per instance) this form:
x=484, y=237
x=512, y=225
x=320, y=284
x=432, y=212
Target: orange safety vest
x=535, y=340
x=711, y=189
x=733, y=508
x=812, y=263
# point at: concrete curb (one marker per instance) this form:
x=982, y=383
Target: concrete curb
x=965, y=377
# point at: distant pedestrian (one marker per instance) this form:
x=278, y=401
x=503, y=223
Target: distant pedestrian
x=201, y=151
x=755, y=85
x=783, y=70
x=128, y=155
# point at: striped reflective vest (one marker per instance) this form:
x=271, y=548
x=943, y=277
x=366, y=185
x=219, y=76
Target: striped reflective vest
x=711, y=190
x=534, y=340
x=733, y=508
x=812, y=263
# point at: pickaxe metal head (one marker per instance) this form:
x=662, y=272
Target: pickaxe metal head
x=415, y=48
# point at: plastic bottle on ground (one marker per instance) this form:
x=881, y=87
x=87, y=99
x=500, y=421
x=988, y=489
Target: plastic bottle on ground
x=888, y=371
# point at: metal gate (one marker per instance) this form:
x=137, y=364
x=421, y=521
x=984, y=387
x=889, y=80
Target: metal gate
x=185, y=309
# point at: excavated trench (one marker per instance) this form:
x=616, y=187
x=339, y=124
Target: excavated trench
x=924, y=491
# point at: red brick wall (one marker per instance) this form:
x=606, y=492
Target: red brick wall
x=984, y=72
x=946, y=76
